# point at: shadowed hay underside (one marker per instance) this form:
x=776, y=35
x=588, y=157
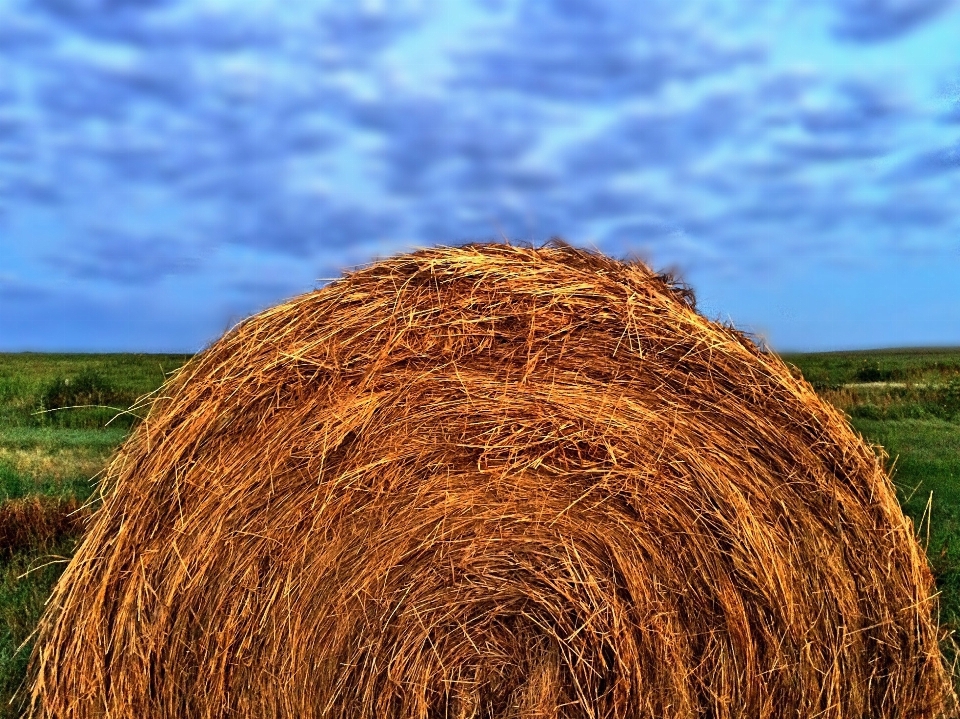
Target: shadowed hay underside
x=492, y=481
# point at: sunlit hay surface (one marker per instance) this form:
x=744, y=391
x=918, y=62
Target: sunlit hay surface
x=492, y=481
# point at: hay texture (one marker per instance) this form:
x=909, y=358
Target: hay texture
x=492, y=481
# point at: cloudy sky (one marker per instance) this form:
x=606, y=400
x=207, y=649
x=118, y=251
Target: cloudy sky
x=168, y=167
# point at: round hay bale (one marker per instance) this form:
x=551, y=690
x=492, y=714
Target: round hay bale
x=493, y=481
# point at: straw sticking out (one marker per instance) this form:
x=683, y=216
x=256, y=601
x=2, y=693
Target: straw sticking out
x=493, y=481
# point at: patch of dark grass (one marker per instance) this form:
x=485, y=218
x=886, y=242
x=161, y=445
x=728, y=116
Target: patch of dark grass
x=32, y=382
x=37, y=522
x=86, y=400
x=13, y=484
x=873, y=372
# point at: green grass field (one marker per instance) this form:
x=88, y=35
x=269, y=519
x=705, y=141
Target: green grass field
x=908, y=401
x=58, y=429
x=52, y=442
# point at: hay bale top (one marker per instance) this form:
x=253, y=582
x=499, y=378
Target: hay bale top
x=493, y=481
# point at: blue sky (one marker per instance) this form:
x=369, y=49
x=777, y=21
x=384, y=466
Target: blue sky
x=170, y=167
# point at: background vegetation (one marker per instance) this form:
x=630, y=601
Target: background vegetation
x=54, y=444
x=908, y=401
x=62, y=416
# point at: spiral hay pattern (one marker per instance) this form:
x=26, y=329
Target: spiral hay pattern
x=493, y=481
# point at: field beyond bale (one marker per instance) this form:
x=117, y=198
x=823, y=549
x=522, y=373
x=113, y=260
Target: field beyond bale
x=53, y=445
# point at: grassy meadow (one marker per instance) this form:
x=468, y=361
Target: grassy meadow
x=57, y=432
x=63, y=415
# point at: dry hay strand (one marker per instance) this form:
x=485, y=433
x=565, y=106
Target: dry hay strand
x=493, y=481
x=37, y=522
